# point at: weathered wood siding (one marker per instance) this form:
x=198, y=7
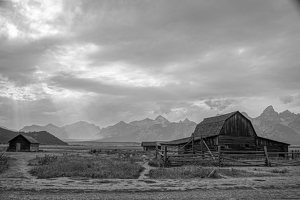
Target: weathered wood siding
x=211, y=142
x=238, y=125
x=272, y=146
x=175, y=149
x=237, y=131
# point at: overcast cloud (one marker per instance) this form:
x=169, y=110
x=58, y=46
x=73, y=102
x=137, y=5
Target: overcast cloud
x=106, y=61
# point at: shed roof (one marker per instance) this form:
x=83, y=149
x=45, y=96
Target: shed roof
x=28, y=138
x=152, y=143
x=177, y=142
x=211, y=126
x=262, y=138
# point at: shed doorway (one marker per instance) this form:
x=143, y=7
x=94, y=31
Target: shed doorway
x=18, y=146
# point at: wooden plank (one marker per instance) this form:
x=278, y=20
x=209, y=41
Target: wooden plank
x=239, y=161
x=247, y=152
x=166, y=156
x=199, y=158
x=219, y=155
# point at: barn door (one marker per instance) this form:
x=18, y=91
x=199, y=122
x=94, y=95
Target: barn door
x=18, y=146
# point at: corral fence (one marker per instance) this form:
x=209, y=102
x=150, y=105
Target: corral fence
x=224, y=157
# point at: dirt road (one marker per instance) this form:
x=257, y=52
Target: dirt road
x=212, y=194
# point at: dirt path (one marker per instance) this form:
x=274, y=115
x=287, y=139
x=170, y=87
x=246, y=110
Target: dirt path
x=144, y=174
x=19, y=167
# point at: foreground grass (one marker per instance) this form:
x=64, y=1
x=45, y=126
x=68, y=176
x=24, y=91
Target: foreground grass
x=186, y=172
x=241, y=173
x=90, y=167
x=3, y=162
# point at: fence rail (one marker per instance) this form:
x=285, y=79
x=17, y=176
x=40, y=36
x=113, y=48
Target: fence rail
x=223, y=157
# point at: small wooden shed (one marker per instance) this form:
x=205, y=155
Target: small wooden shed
x=151, y=146
x=23, y=143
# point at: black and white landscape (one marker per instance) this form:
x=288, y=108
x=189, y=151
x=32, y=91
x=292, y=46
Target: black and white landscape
x=83, y=83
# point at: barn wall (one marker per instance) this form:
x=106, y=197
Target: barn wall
x=211, y=142
x=25, y=145
x=238, y=125
x=237, y=133
x=272, y=146
x=177, y=148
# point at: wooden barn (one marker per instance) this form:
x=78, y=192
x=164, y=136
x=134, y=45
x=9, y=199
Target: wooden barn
x=23, y=143
x=150, y=146
x=232, y=131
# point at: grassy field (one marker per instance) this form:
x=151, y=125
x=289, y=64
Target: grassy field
x=90, y=167
x=184, y=172
x=187, y=172
x=108, y=170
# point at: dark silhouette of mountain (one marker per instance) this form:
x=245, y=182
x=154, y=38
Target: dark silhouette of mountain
x=284, y=127
x=159, y=129
x=79, y=130
x=42, y=136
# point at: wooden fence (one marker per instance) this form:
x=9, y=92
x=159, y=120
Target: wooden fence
x=223, y=157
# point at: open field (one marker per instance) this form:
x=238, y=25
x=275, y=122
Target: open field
x=188, y=182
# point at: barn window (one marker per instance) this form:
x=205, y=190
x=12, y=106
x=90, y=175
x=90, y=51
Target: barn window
x=247, y=145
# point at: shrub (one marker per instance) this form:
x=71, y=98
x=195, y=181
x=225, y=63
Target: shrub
x=155, y=163
x=46, y=160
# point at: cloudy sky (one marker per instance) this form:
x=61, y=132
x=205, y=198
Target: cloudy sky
x=106, y=61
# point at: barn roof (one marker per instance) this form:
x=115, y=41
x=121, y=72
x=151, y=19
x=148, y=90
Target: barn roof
x=211, y=126
x=28, y=138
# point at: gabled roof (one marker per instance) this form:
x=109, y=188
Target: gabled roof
x=28, y=138
x=211, y=126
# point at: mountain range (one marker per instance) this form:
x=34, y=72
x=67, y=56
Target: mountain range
x=284, y=126
x=80, y=130
x=159, y=129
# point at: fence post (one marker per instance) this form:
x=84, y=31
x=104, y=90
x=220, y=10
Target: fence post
x=219, y=155
x=165, y=156
x=293, y=155
x=156, y=151
x=193, y=145
x=201, y=146
x=267, y=157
